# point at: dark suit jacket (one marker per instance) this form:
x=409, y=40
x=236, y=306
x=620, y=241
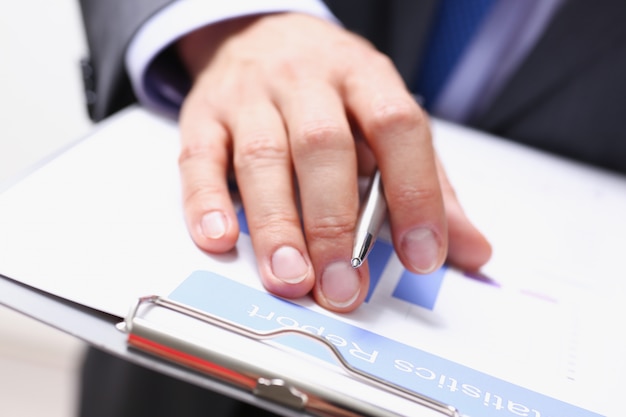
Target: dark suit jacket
x=568, y=96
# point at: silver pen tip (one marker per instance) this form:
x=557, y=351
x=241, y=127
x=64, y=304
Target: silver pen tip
x=356, y=262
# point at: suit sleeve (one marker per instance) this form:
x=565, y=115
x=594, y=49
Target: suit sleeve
x=109, y=28
x=129, y=43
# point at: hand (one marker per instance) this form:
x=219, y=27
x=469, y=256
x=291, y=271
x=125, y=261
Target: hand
x=276, y=99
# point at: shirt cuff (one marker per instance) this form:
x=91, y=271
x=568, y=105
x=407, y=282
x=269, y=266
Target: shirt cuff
x=158, y=83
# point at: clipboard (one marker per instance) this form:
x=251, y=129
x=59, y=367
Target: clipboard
x=140, y=341
x=90, y=309
x=267, y=383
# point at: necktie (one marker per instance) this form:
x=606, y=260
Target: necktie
x=455, y=23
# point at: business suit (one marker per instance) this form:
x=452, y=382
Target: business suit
x=565, y=99
x=568, y=96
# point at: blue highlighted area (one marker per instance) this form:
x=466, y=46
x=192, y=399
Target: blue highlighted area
x=474, y=393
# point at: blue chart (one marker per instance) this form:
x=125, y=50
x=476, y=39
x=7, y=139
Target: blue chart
x=469, y=389
x=419, y=290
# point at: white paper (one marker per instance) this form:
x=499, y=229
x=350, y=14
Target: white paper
x=102, y=224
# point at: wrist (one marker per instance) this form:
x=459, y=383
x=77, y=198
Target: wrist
x=196, y=49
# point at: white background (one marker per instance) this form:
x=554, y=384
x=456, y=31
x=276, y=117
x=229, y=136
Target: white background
x=41, y=99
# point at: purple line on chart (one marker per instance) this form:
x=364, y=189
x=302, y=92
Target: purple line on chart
x=480, y=277
x=484, y=279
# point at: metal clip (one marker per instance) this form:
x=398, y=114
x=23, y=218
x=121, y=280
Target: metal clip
x=277, y=389
x=280, y=392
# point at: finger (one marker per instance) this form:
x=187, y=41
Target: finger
x=265, y=177
x=325, y=161
x=366, y=159
x=468, y=249
x=398, y=133
x=204, y=163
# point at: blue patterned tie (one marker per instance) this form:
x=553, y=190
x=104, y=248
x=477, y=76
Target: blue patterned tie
x=455, y=23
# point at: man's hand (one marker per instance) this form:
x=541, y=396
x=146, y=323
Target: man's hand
x=276, y=99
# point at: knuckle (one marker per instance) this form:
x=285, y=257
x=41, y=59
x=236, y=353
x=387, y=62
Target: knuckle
x=190, y=153
x=201, y=144
x=382, y=60
x=200, y=193
x=259, y=150
x=272, y=223
x=408, y=196
x=330, y=227
x=291, y=69
x=319, y=135
x=392, y=115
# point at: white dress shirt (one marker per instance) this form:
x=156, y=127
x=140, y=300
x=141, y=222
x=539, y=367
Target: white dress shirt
x=183, y=17
x=507, y=35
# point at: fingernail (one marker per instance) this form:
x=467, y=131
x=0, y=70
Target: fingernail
x=421, y=249
x=288, y=265
x=340, y=284
x=213, y=225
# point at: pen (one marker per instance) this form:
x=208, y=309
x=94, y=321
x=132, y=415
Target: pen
x=371, y=218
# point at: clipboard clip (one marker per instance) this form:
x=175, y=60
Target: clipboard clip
x=144, y=337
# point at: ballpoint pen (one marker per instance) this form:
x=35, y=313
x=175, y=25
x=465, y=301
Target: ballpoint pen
x=371, y=218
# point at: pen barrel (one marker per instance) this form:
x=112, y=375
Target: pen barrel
x=371, y=218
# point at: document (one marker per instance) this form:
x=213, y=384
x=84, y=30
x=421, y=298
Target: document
x=537, y=332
